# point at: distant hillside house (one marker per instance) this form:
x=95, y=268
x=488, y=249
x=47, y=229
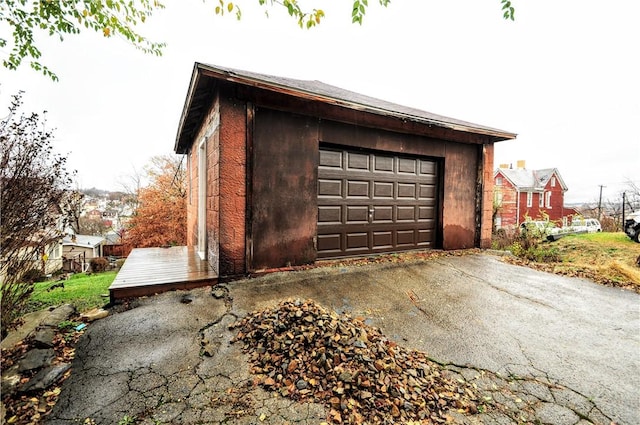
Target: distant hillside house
x=536, y=194
x=88, y=246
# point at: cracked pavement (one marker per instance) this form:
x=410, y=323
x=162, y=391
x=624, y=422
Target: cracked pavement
x=539, y=348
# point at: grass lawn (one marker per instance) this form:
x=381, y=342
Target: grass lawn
x=83, y=291
x=606, y=257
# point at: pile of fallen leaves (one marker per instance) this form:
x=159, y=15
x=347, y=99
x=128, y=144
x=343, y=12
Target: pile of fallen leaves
x=305, y=352
x=33, y=407
x=399, y=257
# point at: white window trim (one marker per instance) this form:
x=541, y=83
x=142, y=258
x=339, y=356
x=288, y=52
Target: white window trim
x=202, y=199
x=498, y=198
x=548, y=200
x=529, y=199
x=541, y=200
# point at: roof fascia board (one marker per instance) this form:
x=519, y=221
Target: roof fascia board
x=562, y=184
x=507, y=177
x=195, y=78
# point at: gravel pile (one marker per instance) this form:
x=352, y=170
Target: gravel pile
x=306, y=352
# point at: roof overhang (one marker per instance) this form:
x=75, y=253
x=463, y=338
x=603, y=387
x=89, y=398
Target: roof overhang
x=204, y=78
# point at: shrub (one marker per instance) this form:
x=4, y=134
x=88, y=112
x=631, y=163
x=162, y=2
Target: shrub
x=99, y=264
x=14, y=297
x=529, y=245
x=33, y=276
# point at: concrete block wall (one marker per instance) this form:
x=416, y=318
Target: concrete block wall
x=232, y=186
x=487, y=195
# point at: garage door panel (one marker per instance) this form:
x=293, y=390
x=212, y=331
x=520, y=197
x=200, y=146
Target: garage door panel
x=382, y=240
x=383, y=189
x=383, y=164
x=407, y=166
x=426, y=213
x=357, y=161
x=331, y=159
x=358, y=214
x=427, y=191
x=330, y=243
x=427, y=168
x=405, y=213
x=356, y=188
x=382, y=214
x=328, y=187
x=406, y=238
x=370, y=203
x=330, y=214
x=425, y=237
x=407, y=190
x=357, y=241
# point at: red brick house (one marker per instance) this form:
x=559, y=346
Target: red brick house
x=283, y=172
x=535, y=194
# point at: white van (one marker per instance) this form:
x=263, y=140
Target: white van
x=590, y=225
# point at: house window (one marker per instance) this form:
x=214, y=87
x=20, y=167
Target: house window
x=553, y=181
x=529, y=199
x=498, y=198
x=541, y=200
x=548, y=200
x=498, y=181
x=498, y=222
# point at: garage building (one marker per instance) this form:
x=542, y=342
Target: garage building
x=283, y=172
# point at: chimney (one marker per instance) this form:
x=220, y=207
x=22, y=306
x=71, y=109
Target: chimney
x=521, y=164
x=503, y=166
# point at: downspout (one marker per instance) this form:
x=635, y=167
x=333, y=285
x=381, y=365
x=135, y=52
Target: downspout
x=517, y=208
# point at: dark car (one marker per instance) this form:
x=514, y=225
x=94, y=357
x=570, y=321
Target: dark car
x=632, y=226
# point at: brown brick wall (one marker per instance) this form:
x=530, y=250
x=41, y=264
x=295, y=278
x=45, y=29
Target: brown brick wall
x=232, y=186
x=487, y=196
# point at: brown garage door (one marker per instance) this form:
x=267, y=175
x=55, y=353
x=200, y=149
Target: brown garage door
x=374, y=202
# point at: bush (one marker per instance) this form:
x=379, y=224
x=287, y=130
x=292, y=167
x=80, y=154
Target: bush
x=13, y=296
x=33, y=276
x=99, y=264
x=528, y=245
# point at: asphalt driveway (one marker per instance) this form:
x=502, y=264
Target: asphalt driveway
x=561, y=350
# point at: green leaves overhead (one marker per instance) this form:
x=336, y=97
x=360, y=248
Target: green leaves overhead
x=305, y=19
x=507, y=10
x=61, y=17
x=25, y=18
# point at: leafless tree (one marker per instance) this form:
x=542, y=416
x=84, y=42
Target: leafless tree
x=33, y=180
x=92, y=226
x=72, y=203
x=632, y=196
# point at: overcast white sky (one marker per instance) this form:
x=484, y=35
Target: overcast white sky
x=564, y=76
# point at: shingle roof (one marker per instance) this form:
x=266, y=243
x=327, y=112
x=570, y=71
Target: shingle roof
x=83, y=240
x=531, y=179
x=318, y=91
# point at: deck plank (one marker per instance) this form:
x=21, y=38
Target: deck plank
x=149, y=271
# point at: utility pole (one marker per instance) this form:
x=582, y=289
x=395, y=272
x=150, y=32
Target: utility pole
x=600, y=204
x=623, y=196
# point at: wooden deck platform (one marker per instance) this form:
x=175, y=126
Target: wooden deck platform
x=148, y=271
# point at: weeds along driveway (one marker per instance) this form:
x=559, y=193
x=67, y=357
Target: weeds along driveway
x=473, y=311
